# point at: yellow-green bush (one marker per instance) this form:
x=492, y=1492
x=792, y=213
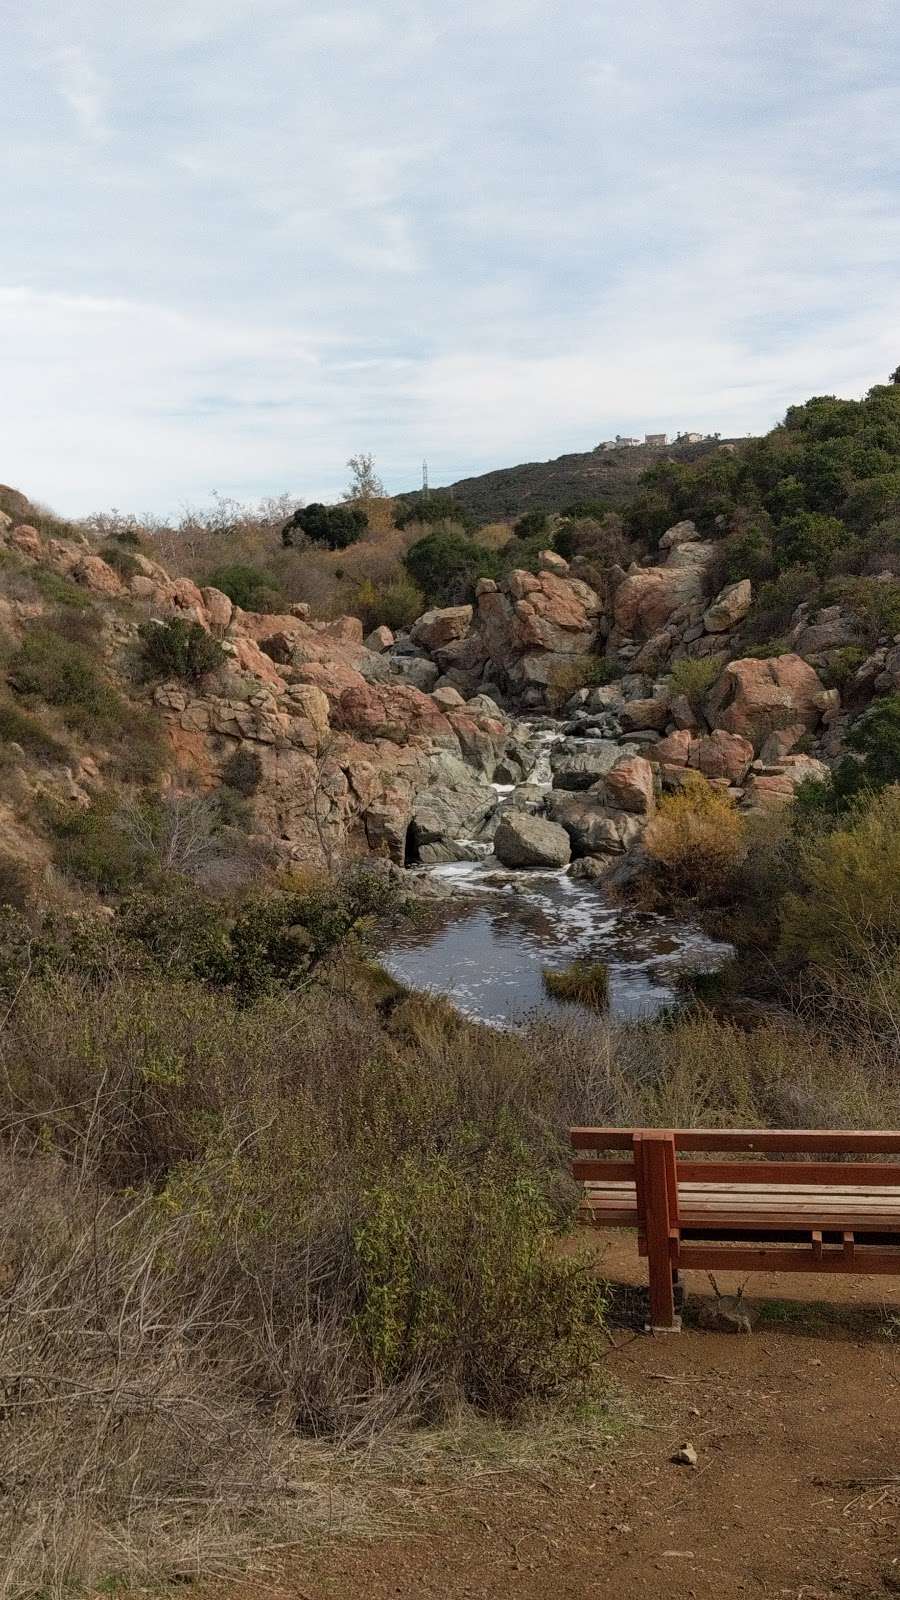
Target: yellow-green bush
x=695, y=842
x=846, y=905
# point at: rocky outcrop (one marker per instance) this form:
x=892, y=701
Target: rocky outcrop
x=729, y=608
x=524, y=840
x=648, y=597
x=754, y=698
x=594, y=829
x=575, y=768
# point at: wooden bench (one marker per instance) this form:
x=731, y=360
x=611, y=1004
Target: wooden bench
x=797, y=1205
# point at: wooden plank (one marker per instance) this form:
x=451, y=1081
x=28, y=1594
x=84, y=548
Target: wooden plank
x=832, y=1174
x=790, y=1140
x=607, y=1171
x=762, y=1258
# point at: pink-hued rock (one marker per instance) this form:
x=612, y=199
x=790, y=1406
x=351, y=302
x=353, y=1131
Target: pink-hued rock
x=251, y=659
x=380, y=639
x=780, y=743
x=27, y=539
x=550, y=561
x=673, y=751
x=629, y=786
x=218, y=608
x=532, y=618
x=396, y=711
x=754, y=698
x=441, y=626
x=348, y=630
x=640, y=714
x=767, y=791
x=723, y=755
x=97, y=575
x=647, y=598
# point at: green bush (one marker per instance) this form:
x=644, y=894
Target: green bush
x=845, y=907
x=243, y=771
x=335, y=527
x=92, y=846
x=121, y=559
x=446, y=566
x=458, y=1278
x=20, y=727
x=431, y=508
x=808, y=539
x=396, y=603
x=246, y=586
x=66, y=673
x=694, y=677
x=179, y=649
x=531, y=524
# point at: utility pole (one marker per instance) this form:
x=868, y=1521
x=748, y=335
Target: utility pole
x=425, y=480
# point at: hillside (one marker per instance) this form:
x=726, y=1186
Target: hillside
x=607, y=478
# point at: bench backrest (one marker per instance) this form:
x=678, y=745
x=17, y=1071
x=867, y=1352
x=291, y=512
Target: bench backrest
x=621, y=1154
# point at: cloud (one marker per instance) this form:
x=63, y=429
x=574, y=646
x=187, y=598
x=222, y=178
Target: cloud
x=261, y=237
x=82, y=90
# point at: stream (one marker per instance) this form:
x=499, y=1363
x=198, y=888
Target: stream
x=488, y=941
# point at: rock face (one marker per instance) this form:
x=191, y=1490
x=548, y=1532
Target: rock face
x=593, y=828
x=531, y=624
x=729, y=608
x=523, y=840
x=722, y=755
x=647, y=598
x=755, y=698
x=574, y=768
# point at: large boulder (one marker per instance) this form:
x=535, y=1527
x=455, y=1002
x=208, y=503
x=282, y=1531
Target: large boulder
x=441, y=626
x=629, y=786
x=593, y=827
x=534, y=622
x=770, y=790
x=754, y=698
x=723, y=755
x=652, y=713
x=681, y=533
x=575, y=768
x=418, y=671
x=524, y=840
x=648, y=596
x=729, y=608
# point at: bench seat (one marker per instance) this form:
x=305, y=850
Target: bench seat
x=749, y=1206
x=827, y=1211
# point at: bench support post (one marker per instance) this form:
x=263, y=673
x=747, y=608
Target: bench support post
x=657, y=1194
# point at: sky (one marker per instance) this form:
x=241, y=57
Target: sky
x=243, y=240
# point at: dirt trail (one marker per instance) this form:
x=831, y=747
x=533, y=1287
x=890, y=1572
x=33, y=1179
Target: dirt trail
x=788, y=1430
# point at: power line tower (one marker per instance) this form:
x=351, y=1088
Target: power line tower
x=425, y=479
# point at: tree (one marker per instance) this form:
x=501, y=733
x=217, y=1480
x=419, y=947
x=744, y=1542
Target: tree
x=365, y=483
x=446, y=565
x=895, y=375
x=333, y=526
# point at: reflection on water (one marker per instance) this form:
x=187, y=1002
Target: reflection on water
x=487, y=951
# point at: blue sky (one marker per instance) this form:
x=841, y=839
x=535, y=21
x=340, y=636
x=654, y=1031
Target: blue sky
x=245, y=239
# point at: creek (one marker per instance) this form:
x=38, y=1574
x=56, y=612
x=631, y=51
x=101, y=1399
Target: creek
x=486, y=942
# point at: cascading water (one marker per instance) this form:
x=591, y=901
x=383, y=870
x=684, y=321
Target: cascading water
x=498, y=930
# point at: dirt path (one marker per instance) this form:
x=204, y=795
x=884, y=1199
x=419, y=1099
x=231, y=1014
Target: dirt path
x=788, y=1428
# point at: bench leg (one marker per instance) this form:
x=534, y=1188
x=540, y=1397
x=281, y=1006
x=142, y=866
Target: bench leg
x=663, y=1318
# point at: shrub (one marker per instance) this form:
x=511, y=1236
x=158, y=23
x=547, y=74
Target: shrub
x=846, y=906
x=875, y=603
x=22, y=728
x=243, y=771
x=694, y=677
x=335, y=527
x=429, y=509
x=808, y=539
x=179, y=649
x=695, y=843
x=842, y=665
x=121, y=559
x=396, y=603
x=446, y=565
x=458, y=1278
x=65, y=673
x=246, y=586
x=584, y=981
x=92, y=845
x=533, y=522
